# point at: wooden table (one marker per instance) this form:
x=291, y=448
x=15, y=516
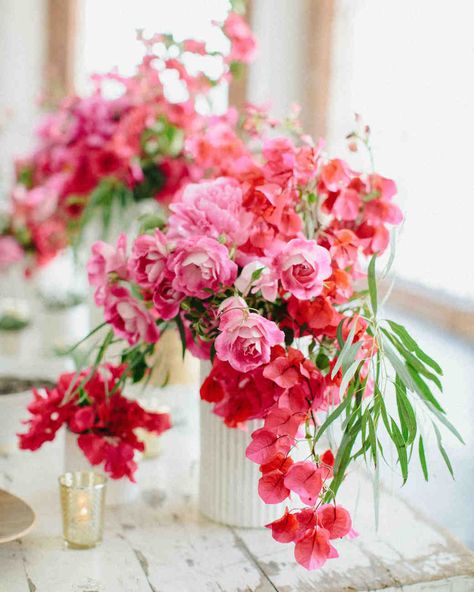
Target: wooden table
x=160, y=543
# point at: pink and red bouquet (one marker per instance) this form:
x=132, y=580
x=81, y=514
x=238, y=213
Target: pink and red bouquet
x=96, y=154
x=263, y=269
x=91, y=405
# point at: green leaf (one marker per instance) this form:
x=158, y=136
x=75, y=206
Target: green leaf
x=445, y=421
x=421, y=454
x=401, y=449
x=340, y=339
x=412, y=360
x=182, y=333
x=344, y=351
x=372, y=284
x=372, y=439
x=411, y=344
x=423, y=390
x=398, y=365
x=75, y=346
x=341, y=462
x=348, y=376
x=443, y=452
x=406, y=412
x=333, y=416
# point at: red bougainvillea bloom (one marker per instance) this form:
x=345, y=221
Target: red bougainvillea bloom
x=305, y=479
x=265, y=446
x=91, y=405
x=335, y=519
x=314, y=549
x=285, y=528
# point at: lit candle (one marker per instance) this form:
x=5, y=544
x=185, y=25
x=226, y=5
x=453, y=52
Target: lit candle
x=82, y=502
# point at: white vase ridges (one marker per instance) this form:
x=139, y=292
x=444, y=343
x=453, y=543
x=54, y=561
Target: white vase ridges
x=228, y=483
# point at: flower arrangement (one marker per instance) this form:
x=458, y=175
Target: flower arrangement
x=91, y=404
x=268, y=269
x=96, y=154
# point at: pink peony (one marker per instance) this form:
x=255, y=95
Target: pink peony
x=302, y=266
x=128, y=317
x=148, y=259
x=201, y=266
x=246, y=339
x=10, y=252
x=212, y=209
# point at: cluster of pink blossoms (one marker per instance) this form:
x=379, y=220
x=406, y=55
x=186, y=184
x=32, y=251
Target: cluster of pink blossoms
x=249, y=262
x=135, y=144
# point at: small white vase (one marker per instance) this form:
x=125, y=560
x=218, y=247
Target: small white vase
x=119, y=491
x=228, y=481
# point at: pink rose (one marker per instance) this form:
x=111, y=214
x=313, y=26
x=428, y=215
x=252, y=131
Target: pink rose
x=107, y=259
x=148, y=259
x=246, y=339
x=255, y=277
x=166, y=299
x=128, y=317
x=302, y=266
x=200, y=266
x=213, y=209
x=230, y=305
x=10, y=252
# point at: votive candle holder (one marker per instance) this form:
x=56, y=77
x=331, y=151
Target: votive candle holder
x=82, y=496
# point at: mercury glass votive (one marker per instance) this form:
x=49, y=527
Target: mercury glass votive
x=82, y=503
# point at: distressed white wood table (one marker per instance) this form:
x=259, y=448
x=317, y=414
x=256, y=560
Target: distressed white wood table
x=161, y=543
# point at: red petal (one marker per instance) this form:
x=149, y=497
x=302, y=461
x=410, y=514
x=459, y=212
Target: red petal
x=313, y=549
x=271, y=487
x=284, y=529
x=265, y=445
x=305, y=479
x=335, y=519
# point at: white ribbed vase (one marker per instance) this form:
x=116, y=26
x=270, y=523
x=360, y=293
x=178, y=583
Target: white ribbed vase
x=228, y=481
x=119, y=491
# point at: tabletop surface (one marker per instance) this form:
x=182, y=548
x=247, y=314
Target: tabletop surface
x=161, y=543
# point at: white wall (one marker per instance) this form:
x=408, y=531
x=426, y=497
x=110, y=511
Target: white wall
x=22, y=51
x=407, y=68
x=278, y=75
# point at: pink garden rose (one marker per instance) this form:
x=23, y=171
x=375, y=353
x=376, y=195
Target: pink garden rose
x=10, y=252
x=255, y=277
x=107, y=259
x=200, y=266
x=246, y=339
x=302, y=266
x=148, y=259
x=213, y=209
x=128, y=317
x=166, y=299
